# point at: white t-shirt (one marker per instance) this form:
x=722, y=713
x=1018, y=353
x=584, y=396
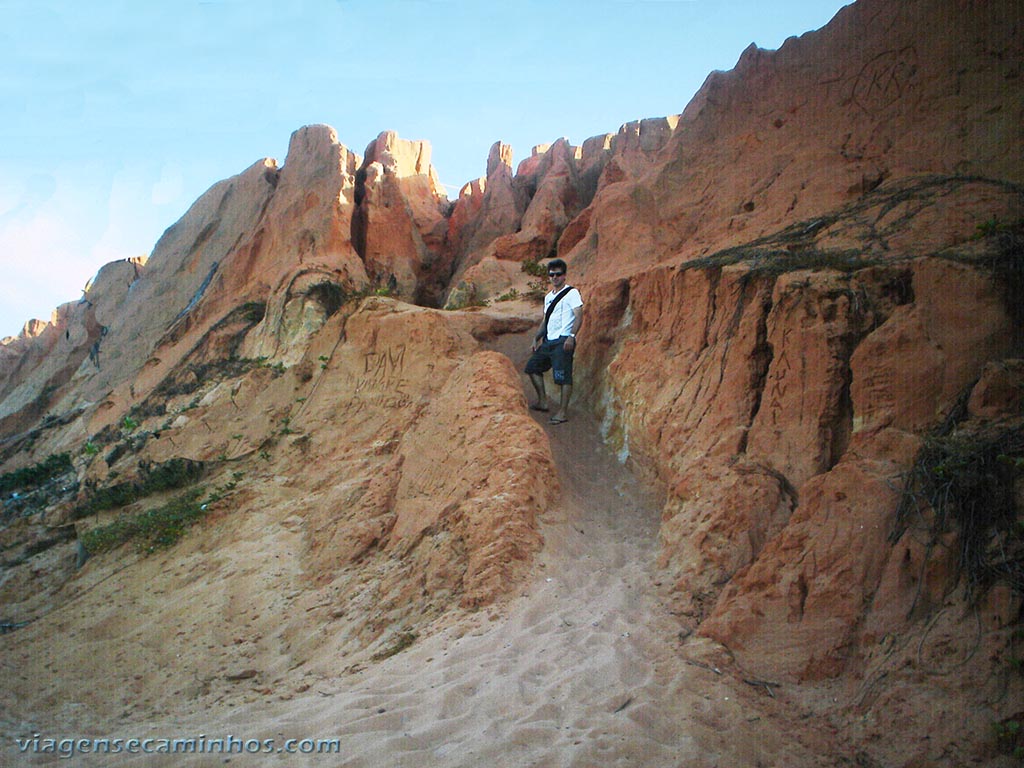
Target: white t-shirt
x=561, y=320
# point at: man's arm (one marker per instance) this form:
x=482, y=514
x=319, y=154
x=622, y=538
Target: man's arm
x=577, y=321
x=538, y=337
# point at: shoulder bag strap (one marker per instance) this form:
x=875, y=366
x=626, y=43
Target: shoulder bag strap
x=551, y=308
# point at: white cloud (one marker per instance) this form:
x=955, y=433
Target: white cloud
x=46, y=240
x=55, y=237
x=11, y=195
x=42, y=267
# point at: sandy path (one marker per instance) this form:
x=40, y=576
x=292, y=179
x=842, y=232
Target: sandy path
x=584, y=667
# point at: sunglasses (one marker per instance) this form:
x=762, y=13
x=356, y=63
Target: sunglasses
x=555, y=274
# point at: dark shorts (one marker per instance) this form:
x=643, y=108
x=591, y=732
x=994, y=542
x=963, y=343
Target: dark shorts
x=552, y=355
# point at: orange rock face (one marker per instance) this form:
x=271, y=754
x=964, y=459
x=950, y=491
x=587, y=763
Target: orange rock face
x=399, y=226
x=784, y=138
x=792, y=290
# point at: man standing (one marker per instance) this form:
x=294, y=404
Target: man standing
x=555, y=342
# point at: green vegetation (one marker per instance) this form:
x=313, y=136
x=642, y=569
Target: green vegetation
x=965, y=483
x=176, y=473
x=536, y=290
x=223, y=490
x=36, y=475
x=511, y=295
x=159, y=527
x=994, y=226
x=534, y=268
x=60, y=535
x=799, y=245
x=469, y=301
x=371, y=289
x=1009, y=738
x=770, y=259
x=193, y=376
x=250, y=313
x=1006, y=260
x=402, y=641
x=277, y=367
x=152, y=529
x=128, y=445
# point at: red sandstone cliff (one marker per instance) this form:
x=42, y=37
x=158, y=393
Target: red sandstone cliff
x=790, y=287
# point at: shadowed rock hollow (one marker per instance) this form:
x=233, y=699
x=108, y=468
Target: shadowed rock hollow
x=803, y=335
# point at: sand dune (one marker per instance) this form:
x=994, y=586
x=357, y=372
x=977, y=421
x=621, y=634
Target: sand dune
x=584, y=667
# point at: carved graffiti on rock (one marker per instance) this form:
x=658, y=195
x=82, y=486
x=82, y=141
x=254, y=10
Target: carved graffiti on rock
x=777, y=389
x=884, y=80
x=382, y=381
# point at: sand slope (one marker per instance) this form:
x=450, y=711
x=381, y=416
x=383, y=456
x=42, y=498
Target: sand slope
x=584, y=667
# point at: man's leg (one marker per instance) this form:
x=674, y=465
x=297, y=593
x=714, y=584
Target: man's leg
x=542, y=395
x=564, y=395
x=561, y=369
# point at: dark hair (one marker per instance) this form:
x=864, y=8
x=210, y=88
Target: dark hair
x=558, y=264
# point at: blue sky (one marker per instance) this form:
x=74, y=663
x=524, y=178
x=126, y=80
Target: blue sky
x=119, y=114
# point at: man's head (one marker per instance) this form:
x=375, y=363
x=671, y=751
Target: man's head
x=556, y=272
